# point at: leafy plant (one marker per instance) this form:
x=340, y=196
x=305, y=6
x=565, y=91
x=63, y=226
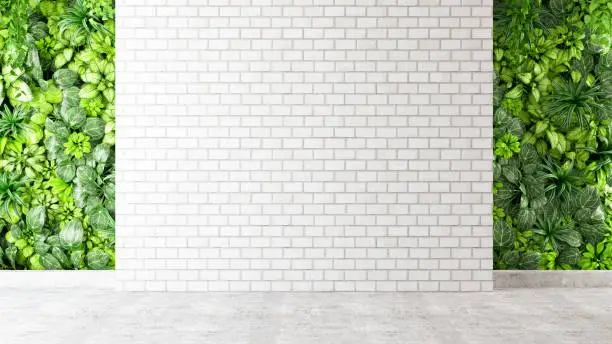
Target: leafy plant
x=597, y=258
x=13, y=122
x=557, y=232
x=11, y=197
x=576, y=103
x=561, y=180
x=77, y=145
x=82, y=19
x=552, y=132
x=507, y=145
x=57, y=125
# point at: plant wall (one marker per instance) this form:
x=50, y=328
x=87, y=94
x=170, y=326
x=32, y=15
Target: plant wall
x=57, y=134
x=553, y=134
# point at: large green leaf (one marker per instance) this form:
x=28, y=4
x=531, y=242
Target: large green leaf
x=526, y=218
x=11, y=254
x=569, y=256
x=97, y=260
x=91, y=77
x=65, y=77
x=53, y=240
x=503, y=236
x=71, y=235
x=512, y=174
x=529, y=261
x=41, y=247
x=588, y=198
x=62, y=58
x=61, y=257
x=50, y=262
x=86, y=175
x=89, y=91
x=100, y=220
x=101, y=153
x=511, y=259
x=74, y=117
x=593, y=233
x=569, y=236
x=94, y=128
x=71, y=98
x=66, y=171
x=76, y=259
x=35, y=218
x=20, y=91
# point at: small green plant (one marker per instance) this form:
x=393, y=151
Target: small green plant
x=13, y=122
x=81, y=18
x=575, y=104
x=562, y=180
x=506, y=146
x=77, y=145
x=12, y=188
x=498, y=214
x=555, y=232
x=597, y=258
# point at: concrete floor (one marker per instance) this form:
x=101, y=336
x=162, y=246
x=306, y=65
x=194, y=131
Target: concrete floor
x=73, y=316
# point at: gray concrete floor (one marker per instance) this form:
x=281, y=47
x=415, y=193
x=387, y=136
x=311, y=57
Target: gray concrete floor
x=73, y=316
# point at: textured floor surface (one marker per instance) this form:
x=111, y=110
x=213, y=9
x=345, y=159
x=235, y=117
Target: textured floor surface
x=72, y=316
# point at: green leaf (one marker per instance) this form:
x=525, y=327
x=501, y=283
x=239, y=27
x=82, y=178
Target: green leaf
x=62, y=58
x=100, y=220
x=512, y=174
x=71, y=236
x=86, y=175
x=91, y=77
x=97, y=260
x=76, y=258
x=53, y=240
x=526, y=217
x=89, y=91
x=569, y=236
x=66, y=171
x=50, y=262
x=503, y=237
x=94, y=128
x=570, y=256
x=35, y=219
x=109, y=95
x=11, y=254
x=530, y=261
x=588, y=198
x=79, y=195
x=101, y=153
x=41, y=247
x=71, y=98
x=511, y=259
x=20, y=91
x=64, y=78
x=61, y=256
x=74, y=117
x=54, y=95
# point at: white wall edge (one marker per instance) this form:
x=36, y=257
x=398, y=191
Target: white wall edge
x=28, y=279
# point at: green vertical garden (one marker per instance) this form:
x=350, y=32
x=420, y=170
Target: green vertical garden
x=57, y=134
x=552, y=133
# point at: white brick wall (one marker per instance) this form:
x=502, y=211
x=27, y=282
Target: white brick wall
x=299, y=145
